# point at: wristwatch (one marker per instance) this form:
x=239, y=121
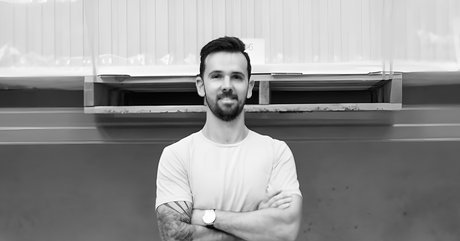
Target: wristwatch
x=209, y=217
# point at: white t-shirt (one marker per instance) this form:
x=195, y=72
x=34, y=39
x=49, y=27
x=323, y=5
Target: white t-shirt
x=228, y=177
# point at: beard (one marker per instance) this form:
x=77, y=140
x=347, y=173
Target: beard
x=225, y=113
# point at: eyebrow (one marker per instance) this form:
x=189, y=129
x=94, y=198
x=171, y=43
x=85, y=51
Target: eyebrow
x=220, y=72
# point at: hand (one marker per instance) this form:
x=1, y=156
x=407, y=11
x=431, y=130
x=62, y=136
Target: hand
x=197, y=217
x=275, y=199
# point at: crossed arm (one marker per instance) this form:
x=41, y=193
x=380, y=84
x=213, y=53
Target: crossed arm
x=277, y=218
x=174, y=223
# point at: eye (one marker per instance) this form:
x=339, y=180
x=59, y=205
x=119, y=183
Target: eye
x=216, y=76
x=238, y=77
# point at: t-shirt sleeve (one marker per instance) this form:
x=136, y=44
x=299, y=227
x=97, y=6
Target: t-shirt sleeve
x=284, y=173
x=172, y=179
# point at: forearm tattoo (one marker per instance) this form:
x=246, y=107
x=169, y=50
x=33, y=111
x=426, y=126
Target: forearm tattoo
x=181, y=207
x=174, y=221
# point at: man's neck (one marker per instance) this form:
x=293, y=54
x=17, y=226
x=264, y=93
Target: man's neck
x=225, y=132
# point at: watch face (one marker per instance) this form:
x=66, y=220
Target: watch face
x=209, y=217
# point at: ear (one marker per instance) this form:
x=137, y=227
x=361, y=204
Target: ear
x=250, y=87
x=200, y=86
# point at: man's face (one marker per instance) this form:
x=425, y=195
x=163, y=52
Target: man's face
x=225, y=84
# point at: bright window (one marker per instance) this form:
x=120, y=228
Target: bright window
x=64, y=37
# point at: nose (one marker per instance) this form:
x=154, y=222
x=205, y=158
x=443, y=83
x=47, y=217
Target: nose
x=226, y=85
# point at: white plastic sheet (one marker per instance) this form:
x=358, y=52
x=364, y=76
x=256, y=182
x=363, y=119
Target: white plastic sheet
x=70, y=37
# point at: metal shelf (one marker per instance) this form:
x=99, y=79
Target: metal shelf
x=380, y=92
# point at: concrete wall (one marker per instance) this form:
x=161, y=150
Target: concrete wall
x=385, y=176
x=406, y=191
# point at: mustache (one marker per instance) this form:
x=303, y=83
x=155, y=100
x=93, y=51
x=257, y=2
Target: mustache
x=227, y=95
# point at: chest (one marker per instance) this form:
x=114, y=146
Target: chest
x=230, y=178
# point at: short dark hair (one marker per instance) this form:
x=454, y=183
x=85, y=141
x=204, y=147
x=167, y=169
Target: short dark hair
x=223, y=44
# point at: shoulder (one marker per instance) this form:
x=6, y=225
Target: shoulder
x=182, y=144
x=179, y=150
x=279, y=149
x=273, y=142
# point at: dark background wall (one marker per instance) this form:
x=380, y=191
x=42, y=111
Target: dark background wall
x=352, y=191
x=66, y=175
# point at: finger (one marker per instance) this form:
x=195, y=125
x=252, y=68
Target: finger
x=277, y=198
x=284, y=206
x=270, y=194
x=281, y=201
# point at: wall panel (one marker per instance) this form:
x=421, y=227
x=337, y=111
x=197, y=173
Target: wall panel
x=381, y=175
x=310, y=31
x=360, y=191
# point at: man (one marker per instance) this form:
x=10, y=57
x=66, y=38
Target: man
x=227, y=182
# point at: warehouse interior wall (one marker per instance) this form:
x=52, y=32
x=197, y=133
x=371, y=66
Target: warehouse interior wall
x=388, y=175
x=364, y=175
x=351, y=190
